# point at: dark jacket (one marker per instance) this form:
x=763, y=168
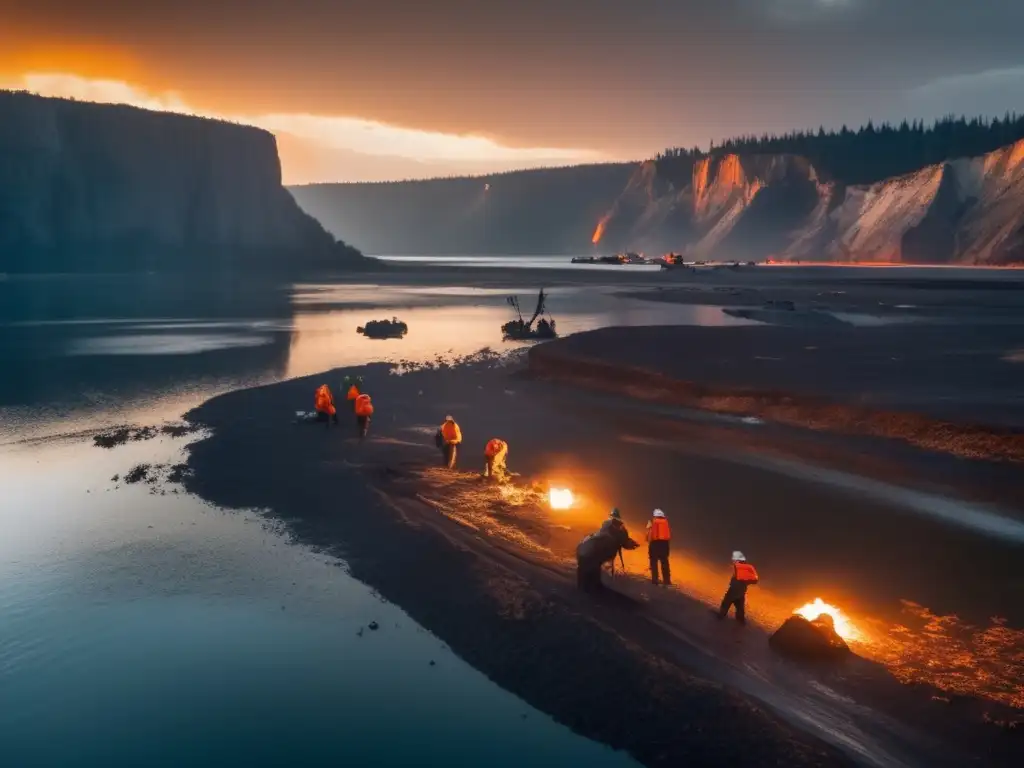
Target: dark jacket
x=606, y=543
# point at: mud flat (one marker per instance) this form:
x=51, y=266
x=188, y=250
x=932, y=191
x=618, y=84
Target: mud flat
x=489, y=572
x=946, y=388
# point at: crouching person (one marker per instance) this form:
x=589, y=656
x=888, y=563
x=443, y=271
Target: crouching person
x=599, y=548
x=495, y=456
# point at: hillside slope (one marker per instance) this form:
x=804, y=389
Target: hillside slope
x=89, y=186
x=725, y=206
x=548, y=210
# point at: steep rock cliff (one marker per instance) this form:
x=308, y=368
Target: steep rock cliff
x=88, y=186
x=965, y=211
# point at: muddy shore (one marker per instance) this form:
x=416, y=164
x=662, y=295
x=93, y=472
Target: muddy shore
x=951, y=388
x=647, y=672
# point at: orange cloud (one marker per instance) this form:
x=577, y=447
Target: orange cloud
x=426, y=152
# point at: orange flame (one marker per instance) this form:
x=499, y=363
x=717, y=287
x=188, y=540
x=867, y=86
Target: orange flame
x=844, y=628
x=599, y=230
x=560, y=498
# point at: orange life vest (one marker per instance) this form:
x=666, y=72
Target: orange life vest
x=451, y=433
x=659, y=530
x=494, y=447
x=363, y=406
x=353, y=392
x=745, y=572
x=324, y=400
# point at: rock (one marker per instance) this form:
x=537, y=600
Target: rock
x=809, y=640
x=373, y=625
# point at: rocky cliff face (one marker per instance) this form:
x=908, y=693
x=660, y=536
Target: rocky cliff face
x=967, y=211
x=86, y=186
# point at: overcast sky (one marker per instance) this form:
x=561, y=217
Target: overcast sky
x=394, y=88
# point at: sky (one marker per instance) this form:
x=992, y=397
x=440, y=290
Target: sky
x=369, y=90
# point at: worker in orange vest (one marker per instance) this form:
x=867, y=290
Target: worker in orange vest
x=495, y=454
x=743, y=575
x=364, y=410
x=352, y=395
x=658, y=537
x=449, y=436
x=324, y=403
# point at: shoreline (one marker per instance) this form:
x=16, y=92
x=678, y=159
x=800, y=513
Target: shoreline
x=513, y=614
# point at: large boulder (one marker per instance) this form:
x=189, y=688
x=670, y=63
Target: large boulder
x=809, y=640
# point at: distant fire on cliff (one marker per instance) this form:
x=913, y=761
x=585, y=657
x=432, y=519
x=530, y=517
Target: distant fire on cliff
x=599, y=229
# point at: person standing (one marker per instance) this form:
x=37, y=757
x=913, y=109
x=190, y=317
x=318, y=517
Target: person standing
x=324, y=404
x=364, y=410
x=743, y=575
x=658, y=537
x=352, y=395
x=451, y=437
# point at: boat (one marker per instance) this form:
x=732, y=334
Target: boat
x=384, y=329
x=525, y=330
x=619, y=258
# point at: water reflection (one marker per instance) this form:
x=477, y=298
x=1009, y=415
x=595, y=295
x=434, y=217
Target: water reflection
x=136, y=344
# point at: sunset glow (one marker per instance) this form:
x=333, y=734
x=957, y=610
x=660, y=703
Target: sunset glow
x=326, y=132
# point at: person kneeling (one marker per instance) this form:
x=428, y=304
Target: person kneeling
x=495, y=455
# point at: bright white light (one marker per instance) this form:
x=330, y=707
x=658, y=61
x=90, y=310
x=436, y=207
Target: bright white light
x=560, y=498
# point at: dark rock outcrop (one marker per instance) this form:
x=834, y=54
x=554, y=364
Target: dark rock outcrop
x=806, y=640
x=87, y=187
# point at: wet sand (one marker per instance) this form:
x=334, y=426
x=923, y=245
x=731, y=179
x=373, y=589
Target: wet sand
x=649, y=671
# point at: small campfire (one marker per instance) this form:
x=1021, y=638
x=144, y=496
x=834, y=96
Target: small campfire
x=843, y=626
x=560, y=498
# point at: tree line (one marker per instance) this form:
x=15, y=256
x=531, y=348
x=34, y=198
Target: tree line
x=872, y=152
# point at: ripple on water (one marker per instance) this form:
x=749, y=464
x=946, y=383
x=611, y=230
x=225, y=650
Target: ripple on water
x=163, y=344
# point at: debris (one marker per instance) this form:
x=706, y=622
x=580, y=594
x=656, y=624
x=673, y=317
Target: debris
x=809, y=640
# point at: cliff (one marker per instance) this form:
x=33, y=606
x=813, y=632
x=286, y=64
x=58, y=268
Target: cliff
x=94, y=187
x=964, y=211
x=542, y=211
x=724, y=206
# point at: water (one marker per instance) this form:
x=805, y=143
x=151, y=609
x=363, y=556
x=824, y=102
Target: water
x=518, y=262
x=147, y=629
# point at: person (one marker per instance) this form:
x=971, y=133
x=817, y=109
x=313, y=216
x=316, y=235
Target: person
x=324, y=403
x=658, y=536
x=599, y=548
x=495, y=454
x=743, y=575
x=352, y=395
x=450, y=438
x=364, y=410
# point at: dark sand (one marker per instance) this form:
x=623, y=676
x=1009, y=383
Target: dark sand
x=963, y=381
x=649, y=671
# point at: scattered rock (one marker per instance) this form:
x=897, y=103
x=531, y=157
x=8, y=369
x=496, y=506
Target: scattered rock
x=374, y=626
x=809, y=640
x=433, y=663
x=124, y=433
x=137, y=474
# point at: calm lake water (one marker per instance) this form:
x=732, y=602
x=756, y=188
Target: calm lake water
x=147, y=629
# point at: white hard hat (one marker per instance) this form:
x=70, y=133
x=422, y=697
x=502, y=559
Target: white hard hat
x=658, y=513
x=738, y=556
x=449, y=417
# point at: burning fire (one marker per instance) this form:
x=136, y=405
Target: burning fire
x=599, y=230
x=844, y=628
x=560, y=498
